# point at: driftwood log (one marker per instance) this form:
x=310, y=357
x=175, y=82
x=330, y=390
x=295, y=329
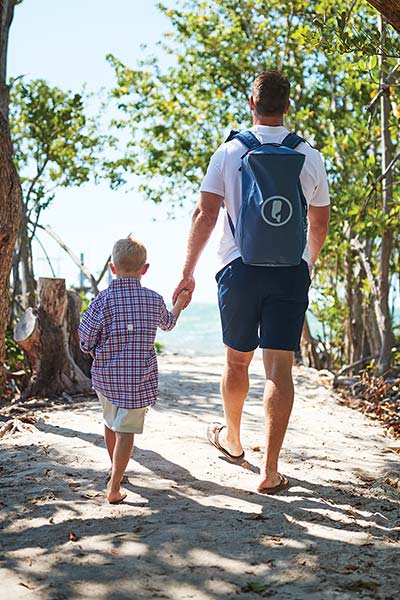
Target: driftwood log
x=48, y=336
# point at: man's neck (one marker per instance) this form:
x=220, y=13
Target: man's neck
x=273, y=121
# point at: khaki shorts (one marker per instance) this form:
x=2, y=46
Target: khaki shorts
x=122, y=420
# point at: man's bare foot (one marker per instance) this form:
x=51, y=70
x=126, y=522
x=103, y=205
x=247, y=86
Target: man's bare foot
x=115, y=497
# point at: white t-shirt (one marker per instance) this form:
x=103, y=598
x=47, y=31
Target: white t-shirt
x=224, y=178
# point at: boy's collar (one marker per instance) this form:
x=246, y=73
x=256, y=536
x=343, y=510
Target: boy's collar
x=123, y=280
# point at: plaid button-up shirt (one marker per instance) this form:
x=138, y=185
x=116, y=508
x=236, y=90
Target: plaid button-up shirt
x=119, y=328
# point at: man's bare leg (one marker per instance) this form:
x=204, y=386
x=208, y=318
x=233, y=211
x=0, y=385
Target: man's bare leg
x=122, y=453
x=278, y=402
x=234, y=389
x=109, y=438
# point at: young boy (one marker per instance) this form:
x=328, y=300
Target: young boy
x=118, y=330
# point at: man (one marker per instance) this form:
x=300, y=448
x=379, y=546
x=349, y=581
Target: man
x=260, y=305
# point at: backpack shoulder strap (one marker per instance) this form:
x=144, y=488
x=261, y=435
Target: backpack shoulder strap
x=231, y=136
x=248, y=139
x=292, y=140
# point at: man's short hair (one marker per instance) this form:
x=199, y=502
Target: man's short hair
x=270, y=92
x=129, y=255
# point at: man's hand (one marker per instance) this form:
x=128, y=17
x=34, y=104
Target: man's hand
x=203, y=222
x=187, y=284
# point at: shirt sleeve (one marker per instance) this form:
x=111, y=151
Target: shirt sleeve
x=167, y=319
x=320, y=196
x=91, y=325
x=213, y=181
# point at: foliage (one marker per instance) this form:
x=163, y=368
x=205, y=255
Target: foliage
x=159, y=348
x=85, y=301
x=176, y=115
x=343, y=32
x=15, y=358
x=55, y=143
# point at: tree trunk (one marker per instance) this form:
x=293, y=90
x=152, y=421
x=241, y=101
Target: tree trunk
x=387, y=237
x=10, y=188
x=10, y=213
x=308, y=348
x=390, y=9
x=45, y=336
x=84, y=361
x=28, y=282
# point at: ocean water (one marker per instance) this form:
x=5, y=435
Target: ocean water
x=198, y=331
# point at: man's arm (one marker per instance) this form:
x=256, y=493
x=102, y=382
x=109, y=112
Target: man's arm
x=203, y=222
x=318, y=221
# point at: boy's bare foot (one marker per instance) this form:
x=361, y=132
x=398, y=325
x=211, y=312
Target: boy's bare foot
x=115, y=497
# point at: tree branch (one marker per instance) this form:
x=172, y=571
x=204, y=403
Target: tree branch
x=73, y=256
x=385, y=85
x=390, y=9
x=104, y=270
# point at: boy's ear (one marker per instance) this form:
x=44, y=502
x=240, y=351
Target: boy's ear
x=145, y=268
x=251, y=102
x=287, y=108
x=112, y=267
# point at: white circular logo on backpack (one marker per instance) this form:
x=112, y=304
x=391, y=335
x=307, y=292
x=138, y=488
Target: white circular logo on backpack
x=276, y=211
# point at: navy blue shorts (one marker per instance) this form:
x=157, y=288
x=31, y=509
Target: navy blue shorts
x=262, y=306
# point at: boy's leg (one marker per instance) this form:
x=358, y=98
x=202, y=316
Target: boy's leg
x=109, y=438
x=122, y=453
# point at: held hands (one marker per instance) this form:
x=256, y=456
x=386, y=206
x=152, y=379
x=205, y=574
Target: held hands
x=180, y=302
x=183, y=299
x=185, y=288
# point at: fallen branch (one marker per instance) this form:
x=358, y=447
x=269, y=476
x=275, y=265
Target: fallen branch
x=73, y=256
x=104, y=270
x=15, y=426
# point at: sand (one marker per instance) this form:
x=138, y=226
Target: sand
x=193, y=525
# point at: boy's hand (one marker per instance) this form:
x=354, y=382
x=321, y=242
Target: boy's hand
x=183, y=299
x=187, y=285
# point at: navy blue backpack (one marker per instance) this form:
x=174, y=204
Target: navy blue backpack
x=272, y=225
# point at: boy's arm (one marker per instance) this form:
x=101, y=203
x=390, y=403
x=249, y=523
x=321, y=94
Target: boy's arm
x=90, y=327
x=168, y=318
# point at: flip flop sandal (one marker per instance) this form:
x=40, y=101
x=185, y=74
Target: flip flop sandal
x=282, y=485
x=213, y=438
x=119, y=501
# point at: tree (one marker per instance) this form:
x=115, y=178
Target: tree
x=390, y=9
x=177, y=115
x=10, y=189
x=56, y=145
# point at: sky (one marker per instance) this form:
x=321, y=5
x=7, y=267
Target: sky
x=66, y=44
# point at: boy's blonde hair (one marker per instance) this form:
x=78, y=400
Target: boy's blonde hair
x=129, y=255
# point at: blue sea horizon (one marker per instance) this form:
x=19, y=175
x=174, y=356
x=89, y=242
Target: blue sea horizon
x=198, y=331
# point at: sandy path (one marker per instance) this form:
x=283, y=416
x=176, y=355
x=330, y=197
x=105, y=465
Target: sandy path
x=193, y=526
